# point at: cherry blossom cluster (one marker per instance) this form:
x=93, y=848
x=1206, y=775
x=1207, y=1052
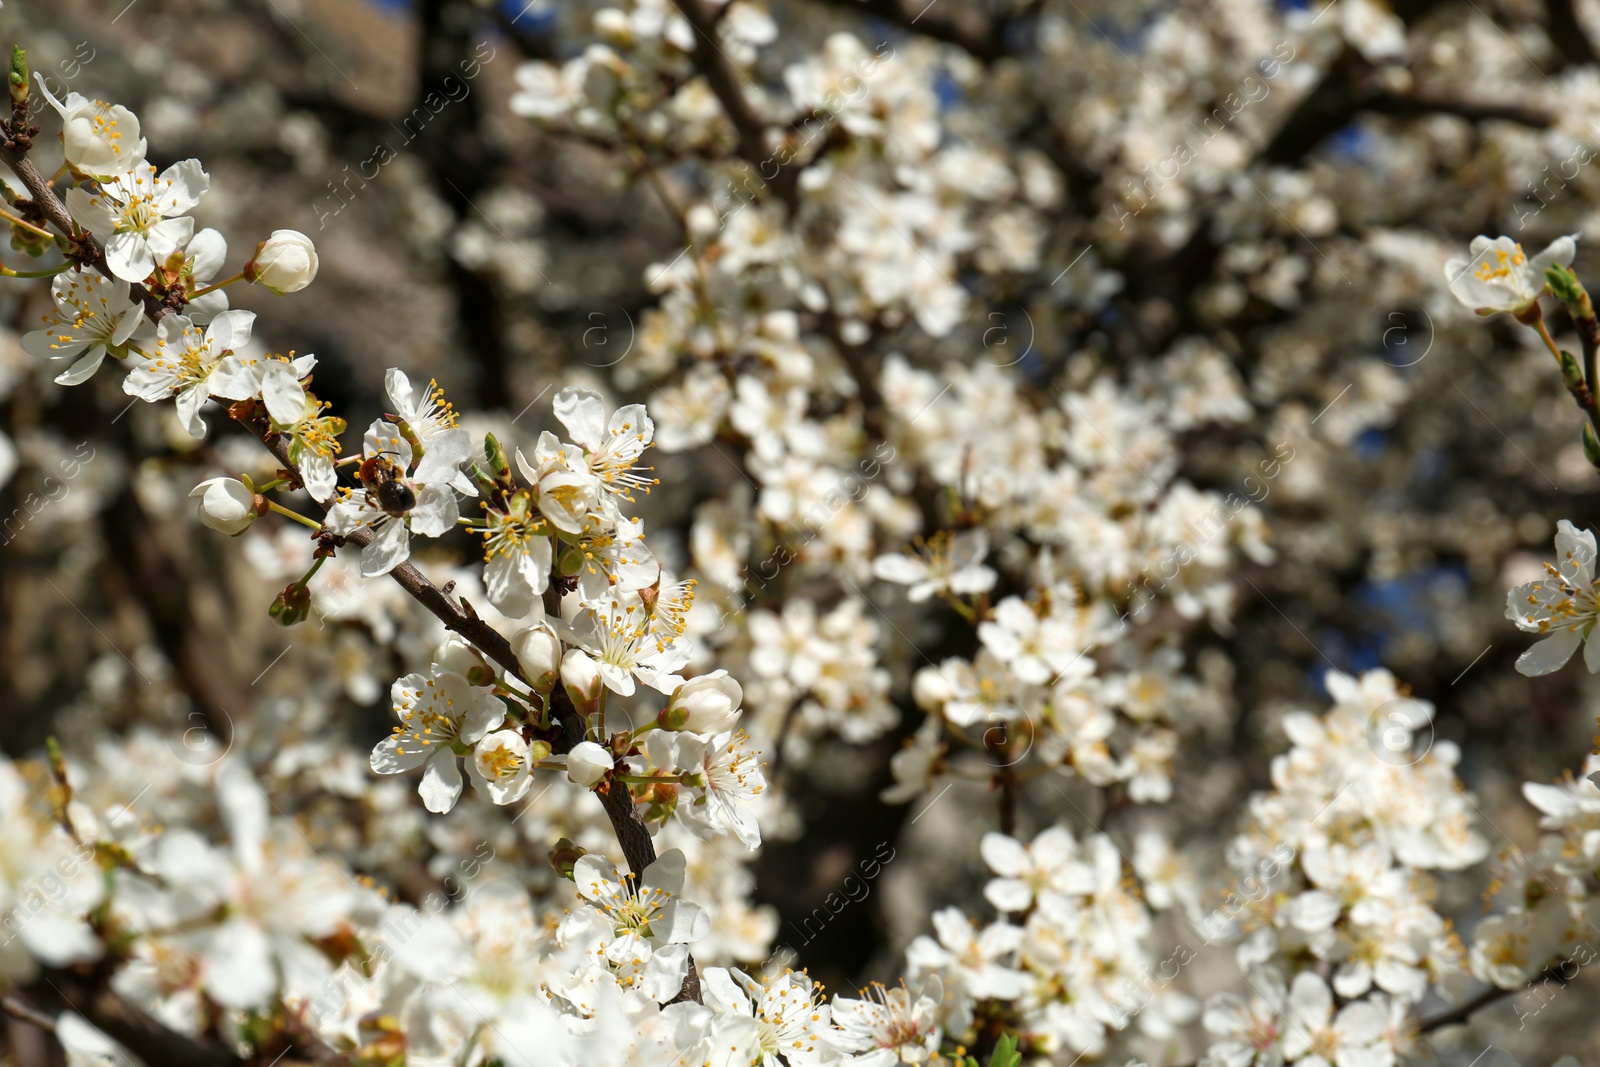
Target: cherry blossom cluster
x=1542, y=930
x=1343, y=847
x=206, y=934
x=1078, y=494
x=898, y=479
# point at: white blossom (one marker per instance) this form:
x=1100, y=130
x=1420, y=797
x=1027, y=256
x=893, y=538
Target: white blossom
x=1501, y=277
x=441, y=715
x=100, y=139
x=141, y=217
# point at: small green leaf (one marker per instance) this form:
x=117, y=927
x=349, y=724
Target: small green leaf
x=1005, y=1052
x=18, y=78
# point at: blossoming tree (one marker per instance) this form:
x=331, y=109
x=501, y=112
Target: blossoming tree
x=1015, y=498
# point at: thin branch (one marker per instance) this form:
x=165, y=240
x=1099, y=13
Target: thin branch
x=51, y=207
x=1472, y=111
x=59, y=990
x=631, y=832
x=1567, y=33
x=1349, y=88
x=976, y=33
x=28, y=1014
x=780, y=742
x=723, y=78
x=1465, y=1010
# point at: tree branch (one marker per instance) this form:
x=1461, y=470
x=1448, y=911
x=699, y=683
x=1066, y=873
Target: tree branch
x=1465, y=1010
x=1567, y=32
x=60, y=990
x=632, y=834
x=970, y=30
x=723, y=79
x=1396, y=104
x=51, y=207
x=1348, y=88
x=30, y=1015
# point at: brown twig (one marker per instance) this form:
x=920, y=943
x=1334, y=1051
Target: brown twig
x=28, y=1014
x=1465, y=1010
x=632, y=834
x=723, y=78
x=59, y=990
x=51, y=207
x=781, y=741
x=966, y=28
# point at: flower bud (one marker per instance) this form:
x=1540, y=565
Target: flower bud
x=455, y=653
x=1571, y=372
x=227, y=505
x=587, y=763
x=565, y=856
x=539, y=654
x=499, y=465
x=292, y=606
x=286, y=262
x=1564, y=284
x=18, y=77
x=931, y=690
x=581, y=675
x=708, y=704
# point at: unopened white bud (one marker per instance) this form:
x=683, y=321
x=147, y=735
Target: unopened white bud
x=286, y=262
x=581, y=675
x=708, y=704
x=226, y=505
x=587, y=763
x=539, y=654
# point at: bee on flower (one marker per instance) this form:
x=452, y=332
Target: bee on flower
x=397, y=498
